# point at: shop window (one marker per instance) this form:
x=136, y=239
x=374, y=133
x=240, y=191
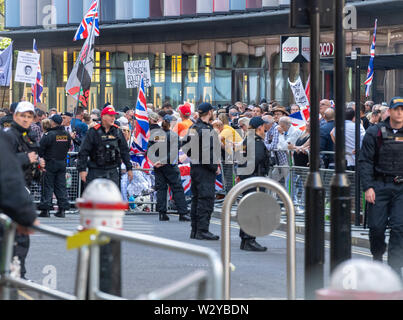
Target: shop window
x=176, y=69
x=12, y=13
x=193, y=68
x=107, y=10
x=160, y=67
x=28, y=13
x=76, y=11
x=124, y=9
x=65, y=66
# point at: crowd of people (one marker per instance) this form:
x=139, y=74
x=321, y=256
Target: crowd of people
x=42, y=140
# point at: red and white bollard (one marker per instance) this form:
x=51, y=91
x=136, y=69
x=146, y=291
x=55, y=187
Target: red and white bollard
x=359, y=279
x=102, y=205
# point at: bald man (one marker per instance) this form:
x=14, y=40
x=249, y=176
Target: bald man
x=326, y=142
x=323, y=106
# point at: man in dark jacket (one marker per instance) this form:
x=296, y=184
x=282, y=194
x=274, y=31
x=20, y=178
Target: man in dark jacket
x=54, y=147
x=326, y=142
x=381, y=172
x=26, y=151
x=203, y=172
x=261, y=168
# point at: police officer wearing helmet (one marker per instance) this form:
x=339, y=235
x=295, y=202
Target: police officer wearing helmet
x=106, y=148
x=261, y=160
x=203, y=173
x=166, y=147
x=54, y=146
x=381, y=172
x=23, y=144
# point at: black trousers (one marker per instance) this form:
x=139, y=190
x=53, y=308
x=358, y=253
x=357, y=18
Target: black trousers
x=99, y=173
x=54, y=181
x=387, y=211
x=169, y=175
x=203, y=195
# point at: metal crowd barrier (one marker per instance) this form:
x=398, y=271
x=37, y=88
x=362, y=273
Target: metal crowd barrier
x=200, y=278
x=232, y=196
x=8, y=283
x=73, y=182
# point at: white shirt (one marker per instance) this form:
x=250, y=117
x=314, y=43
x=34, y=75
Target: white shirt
x=350, y=140
x=291, y=136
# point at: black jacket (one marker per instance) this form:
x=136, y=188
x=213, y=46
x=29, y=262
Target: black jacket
x=15, y=200
x=260, y=159
x=55, y=144
x=166, y=141
x=209, y=152
x=22, y=142
x=91, y=143
x=369, y=155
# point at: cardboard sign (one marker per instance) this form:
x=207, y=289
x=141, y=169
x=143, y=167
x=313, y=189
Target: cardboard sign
x=133, y=72
x=27, y=67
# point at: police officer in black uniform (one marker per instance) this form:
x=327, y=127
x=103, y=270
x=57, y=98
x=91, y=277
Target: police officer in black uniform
x=23, y=144
x=381, y=172
x=102, y=152
x=106, y=148
x=54, y=146
x=203, y=173
x=166, y=167
x=261, y=161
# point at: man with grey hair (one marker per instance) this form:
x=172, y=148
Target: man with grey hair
x=384, y=113
x=244, y=125
x=323, y=106
x=288, y=134
x=368, y=106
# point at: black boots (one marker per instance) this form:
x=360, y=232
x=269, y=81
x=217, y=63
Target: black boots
x=44, y=214
x=205, y=235
x=164, y=217
x=184, y=217
x=251, y=245
x=60, y=214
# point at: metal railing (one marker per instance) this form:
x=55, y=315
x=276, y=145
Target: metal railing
x=226, y=238
x=216, y=277
x=7, y=282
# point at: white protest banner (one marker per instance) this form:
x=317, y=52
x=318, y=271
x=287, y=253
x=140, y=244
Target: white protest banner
x=27, y=67
x=299, y=93
x=133, y=72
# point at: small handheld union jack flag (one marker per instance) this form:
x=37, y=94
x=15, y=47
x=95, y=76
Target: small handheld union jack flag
x=37, y=88
x=370, y=73
x=84, y=29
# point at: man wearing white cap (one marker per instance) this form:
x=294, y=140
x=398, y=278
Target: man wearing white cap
x=25, y=148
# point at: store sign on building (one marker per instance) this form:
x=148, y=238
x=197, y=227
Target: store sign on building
x=133, y=72
x=294, y=49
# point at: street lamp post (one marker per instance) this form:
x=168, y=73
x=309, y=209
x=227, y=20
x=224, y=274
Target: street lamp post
x=340, y=238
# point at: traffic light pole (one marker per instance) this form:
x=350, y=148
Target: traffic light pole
x=314, y=199
x=340, y=238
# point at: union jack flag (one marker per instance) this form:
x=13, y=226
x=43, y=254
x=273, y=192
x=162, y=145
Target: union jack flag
x=84, y=29
x=138, y=148
x=37, y=88
x=142, y=124
x=370, y=72
x=300, y=118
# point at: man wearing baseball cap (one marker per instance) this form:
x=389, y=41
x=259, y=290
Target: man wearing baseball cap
x=182, y=127
x=260, y=167
x=204, y=169
x=381, y=172
x=25, y=147
x=106, y=148
x=54, y=146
